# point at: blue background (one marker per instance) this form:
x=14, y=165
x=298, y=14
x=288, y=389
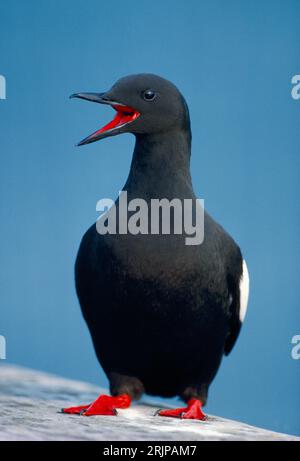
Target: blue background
x=234, y=62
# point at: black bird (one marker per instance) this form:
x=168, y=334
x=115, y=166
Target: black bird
x=161, y=313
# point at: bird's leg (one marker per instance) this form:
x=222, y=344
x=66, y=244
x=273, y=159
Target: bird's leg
x=123, y=384
x=103, y=405
x=123, y=388
x=195, y=398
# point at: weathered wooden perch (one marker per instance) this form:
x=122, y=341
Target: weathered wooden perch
x=30, y=402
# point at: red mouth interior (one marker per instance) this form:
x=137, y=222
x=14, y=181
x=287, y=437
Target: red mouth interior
x=125, y=114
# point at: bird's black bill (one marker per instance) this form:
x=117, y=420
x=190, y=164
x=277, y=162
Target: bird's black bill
x=124, y=116
x=94, y=97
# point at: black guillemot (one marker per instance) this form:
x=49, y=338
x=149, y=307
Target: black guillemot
x=161, y=313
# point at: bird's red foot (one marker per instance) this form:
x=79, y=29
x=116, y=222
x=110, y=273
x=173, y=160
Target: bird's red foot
x=103, y=405
x=192, y=411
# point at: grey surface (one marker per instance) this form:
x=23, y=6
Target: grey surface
x=30, y=402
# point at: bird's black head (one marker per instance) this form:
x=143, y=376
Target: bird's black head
x=145, y=104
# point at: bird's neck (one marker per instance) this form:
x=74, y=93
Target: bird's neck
x=161, y=164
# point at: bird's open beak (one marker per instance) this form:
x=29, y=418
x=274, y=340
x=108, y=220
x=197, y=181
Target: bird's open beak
x=124, y=116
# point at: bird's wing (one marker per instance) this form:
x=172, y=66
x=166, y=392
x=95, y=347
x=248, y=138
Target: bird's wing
x=238, y=308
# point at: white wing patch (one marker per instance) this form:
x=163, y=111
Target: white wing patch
x=244, y=291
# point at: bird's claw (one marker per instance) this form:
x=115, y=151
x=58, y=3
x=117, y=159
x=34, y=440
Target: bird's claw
x=192, y=411
x=103, y=405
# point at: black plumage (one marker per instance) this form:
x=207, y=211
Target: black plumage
x=161, y=313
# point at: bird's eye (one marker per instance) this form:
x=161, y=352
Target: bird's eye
x=149, y=95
